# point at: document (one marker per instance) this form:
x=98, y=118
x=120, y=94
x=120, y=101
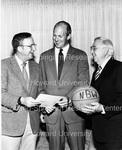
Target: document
x=47, y=100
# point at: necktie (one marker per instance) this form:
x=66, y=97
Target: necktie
x=97, y=74
x=25, y=75
x=60, y=63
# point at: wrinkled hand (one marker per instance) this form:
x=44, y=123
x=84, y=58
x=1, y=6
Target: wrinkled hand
x=89, y=147
x=49, y=109
x=91, y=108
x=28, y=101
x=89, y=143
x=63, y=102
x=92, y=147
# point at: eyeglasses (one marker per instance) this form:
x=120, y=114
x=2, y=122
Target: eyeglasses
x=32, y=46
x=94, y=48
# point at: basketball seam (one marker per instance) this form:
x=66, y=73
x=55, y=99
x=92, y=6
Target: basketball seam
x=86, y=99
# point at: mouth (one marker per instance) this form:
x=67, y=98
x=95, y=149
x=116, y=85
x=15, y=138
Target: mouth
x=32, y=54
x=93, y=55
x=57, y=43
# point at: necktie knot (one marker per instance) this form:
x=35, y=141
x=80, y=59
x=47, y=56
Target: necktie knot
x=99, y=68
x=61, y=54
x=24, y=64
x=61, y=50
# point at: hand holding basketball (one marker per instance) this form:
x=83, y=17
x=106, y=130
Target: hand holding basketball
x=84, y=96
x=92, y=108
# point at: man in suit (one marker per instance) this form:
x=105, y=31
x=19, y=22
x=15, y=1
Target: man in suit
x=19, y=83
x=107, y=114
x=61, y=80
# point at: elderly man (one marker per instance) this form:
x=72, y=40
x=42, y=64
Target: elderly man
x=107, y=114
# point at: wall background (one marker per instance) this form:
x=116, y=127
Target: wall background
x=88, y=18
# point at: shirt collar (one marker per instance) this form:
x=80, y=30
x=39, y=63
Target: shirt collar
x=105, y=62
x=65, y=49
x=19, y=60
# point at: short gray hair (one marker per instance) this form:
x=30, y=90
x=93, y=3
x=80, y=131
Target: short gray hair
x=107, y=42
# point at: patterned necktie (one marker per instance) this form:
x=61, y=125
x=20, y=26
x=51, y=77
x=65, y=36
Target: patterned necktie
x=25, y=75
x=97, y=74
x=60, y=63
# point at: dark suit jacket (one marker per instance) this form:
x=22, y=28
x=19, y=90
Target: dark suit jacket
x=108, y=127
x=13, y=86
x=75, y=72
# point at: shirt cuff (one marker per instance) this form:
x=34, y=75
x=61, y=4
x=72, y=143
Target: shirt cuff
x=103, y=110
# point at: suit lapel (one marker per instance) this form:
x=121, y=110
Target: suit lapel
x=107, y=70
x=16, y=69
x=32, y=73
x=67, y=62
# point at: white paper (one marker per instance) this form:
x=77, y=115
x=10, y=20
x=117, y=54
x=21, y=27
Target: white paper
x=47, y=100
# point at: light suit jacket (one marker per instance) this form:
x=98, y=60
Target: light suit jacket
x=13, y=86
x=75, y=72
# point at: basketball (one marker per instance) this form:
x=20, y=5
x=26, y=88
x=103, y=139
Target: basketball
x=84, y=95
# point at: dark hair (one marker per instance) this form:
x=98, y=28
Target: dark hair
x=17, y=39
x=64, y=23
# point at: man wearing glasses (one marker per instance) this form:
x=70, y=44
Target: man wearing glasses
x=20, y=119
x=107, y=114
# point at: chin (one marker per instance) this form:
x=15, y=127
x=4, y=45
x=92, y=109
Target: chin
x=30, y=58
x=95, y=60
x=57, y=46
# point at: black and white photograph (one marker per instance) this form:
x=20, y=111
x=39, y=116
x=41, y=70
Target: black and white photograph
x=61, y=74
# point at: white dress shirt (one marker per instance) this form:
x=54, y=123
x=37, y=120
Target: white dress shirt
x=104, y=63
x=20, y=63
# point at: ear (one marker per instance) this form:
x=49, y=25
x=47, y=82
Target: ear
x=19, y=48
x=106, y=51
x=69, y=37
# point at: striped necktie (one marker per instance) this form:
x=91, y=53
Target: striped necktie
x=60, y=63
x=25, y=75
x=97, y=74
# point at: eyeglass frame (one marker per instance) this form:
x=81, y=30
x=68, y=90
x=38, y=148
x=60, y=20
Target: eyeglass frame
x=94, y=47
x=29, y=45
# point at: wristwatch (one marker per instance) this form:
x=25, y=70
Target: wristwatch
x=19, y=101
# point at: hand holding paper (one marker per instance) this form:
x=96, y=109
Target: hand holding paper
x=47, y=100
x=63, y=102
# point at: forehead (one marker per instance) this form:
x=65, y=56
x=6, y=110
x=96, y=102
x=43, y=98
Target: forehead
x=97, y=43
x=60, y=29
x=28, y=40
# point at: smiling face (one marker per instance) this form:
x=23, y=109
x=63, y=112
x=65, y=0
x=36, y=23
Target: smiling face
x=102, y=49
x=27, y=48
x=98, y=51
x=60, y=37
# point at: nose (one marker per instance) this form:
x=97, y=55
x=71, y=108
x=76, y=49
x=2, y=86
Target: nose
x=55, y=38
x=33, y=49
x=91, y=51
